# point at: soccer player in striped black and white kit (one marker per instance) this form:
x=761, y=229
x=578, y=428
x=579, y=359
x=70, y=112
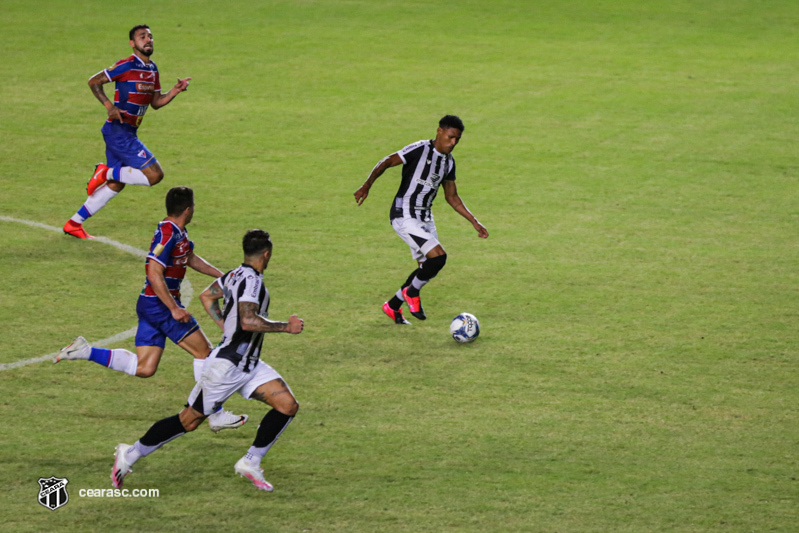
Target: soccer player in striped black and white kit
x=233, y=366
x=426, y=165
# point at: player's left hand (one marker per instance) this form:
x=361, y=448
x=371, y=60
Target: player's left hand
x=295, y=325
x=182, y=85
x=481, y=231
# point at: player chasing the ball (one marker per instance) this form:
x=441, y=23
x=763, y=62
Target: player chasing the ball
x=128, y=161
x=426, y=165
x=160, y=312
x=233, y=366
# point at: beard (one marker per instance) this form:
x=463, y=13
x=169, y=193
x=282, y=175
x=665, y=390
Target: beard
x=147, y=53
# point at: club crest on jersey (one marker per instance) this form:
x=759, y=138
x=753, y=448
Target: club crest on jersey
x=53, y=492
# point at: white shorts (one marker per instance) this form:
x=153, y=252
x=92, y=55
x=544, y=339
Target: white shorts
x=420, y=236
x=221, y=379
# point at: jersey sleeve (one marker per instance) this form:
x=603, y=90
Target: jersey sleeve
x=163, y=243
x=412, y=152
x=252, y=289
x=116, y=71
x=451, y=174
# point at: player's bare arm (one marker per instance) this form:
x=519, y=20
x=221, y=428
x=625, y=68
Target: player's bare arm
x=202, y=266
x=160, y=100
x=210, y=298
x=384, y=164
x=155, y=274
x=96, y=83
x=454, y=200
x=252, y=321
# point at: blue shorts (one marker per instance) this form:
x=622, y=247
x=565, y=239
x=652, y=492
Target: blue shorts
x=156, y=323
x=124, y=149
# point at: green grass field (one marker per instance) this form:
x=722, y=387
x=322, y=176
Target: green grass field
x=634, y=161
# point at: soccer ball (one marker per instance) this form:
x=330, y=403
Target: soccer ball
x=464, y=327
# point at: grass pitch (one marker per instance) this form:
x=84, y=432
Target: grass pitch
x=633, y=161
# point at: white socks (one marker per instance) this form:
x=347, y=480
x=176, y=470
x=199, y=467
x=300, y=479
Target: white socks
x=94, y=203
x=124, y=361
x=132, y=176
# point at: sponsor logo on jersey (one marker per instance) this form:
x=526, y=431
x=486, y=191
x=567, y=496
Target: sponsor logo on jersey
x=145, y=87
x=53, y=492
x=432, y=181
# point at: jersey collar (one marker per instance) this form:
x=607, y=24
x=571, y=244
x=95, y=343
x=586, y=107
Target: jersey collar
x=433, y=147
x=250, y=267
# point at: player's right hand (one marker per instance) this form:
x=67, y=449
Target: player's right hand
x=295, y=325
x=181, y=315
x=361, y=194
x=114, y=114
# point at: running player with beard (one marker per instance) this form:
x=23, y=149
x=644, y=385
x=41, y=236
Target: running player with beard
x=138, y=86
x=426, y=165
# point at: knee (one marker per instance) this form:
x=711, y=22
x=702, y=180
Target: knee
x=433, y=266
x=156, y=176
x=194, y=424
x=146, y=371
x=290, y=409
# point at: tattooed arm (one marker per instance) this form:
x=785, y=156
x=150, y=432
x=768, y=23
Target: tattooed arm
x=252, y=321
x=384, y=164
x=210, y=299
x=96, y=83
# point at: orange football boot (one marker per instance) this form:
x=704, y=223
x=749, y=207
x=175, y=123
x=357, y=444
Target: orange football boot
x=76, y=230
x=396, y=316
x=97, y=179
x=414, y=304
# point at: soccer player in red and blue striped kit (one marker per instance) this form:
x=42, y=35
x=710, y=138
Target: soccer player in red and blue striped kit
x=128, y=161
x=159, y=309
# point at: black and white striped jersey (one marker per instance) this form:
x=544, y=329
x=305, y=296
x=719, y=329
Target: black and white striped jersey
x=423, y=170
x=242, y=348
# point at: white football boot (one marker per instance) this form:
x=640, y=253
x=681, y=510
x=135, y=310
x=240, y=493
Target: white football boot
x=253, y=473
x=226, y=420
x=121, y=466
x=78, y=349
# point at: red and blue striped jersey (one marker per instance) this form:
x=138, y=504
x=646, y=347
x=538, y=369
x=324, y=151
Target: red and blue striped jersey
x=171, y=247
x=136, y=83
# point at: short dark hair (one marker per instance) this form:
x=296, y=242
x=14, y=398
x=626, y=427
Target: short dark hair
x=256, y=241
x=451, y=121
x=178, y=199
x=136, y=28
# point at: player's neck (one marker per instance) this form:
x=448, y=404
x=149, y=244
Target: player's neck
x=178, y=221
x=145, y=59
x=257, y=265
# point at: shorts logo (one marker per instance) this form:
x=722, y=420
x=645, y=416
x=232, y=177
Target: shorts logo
x=53, y=492
x=142, y=153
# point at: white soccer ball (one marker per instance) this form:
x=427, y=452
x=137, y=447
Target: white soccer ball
x=464, y=327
